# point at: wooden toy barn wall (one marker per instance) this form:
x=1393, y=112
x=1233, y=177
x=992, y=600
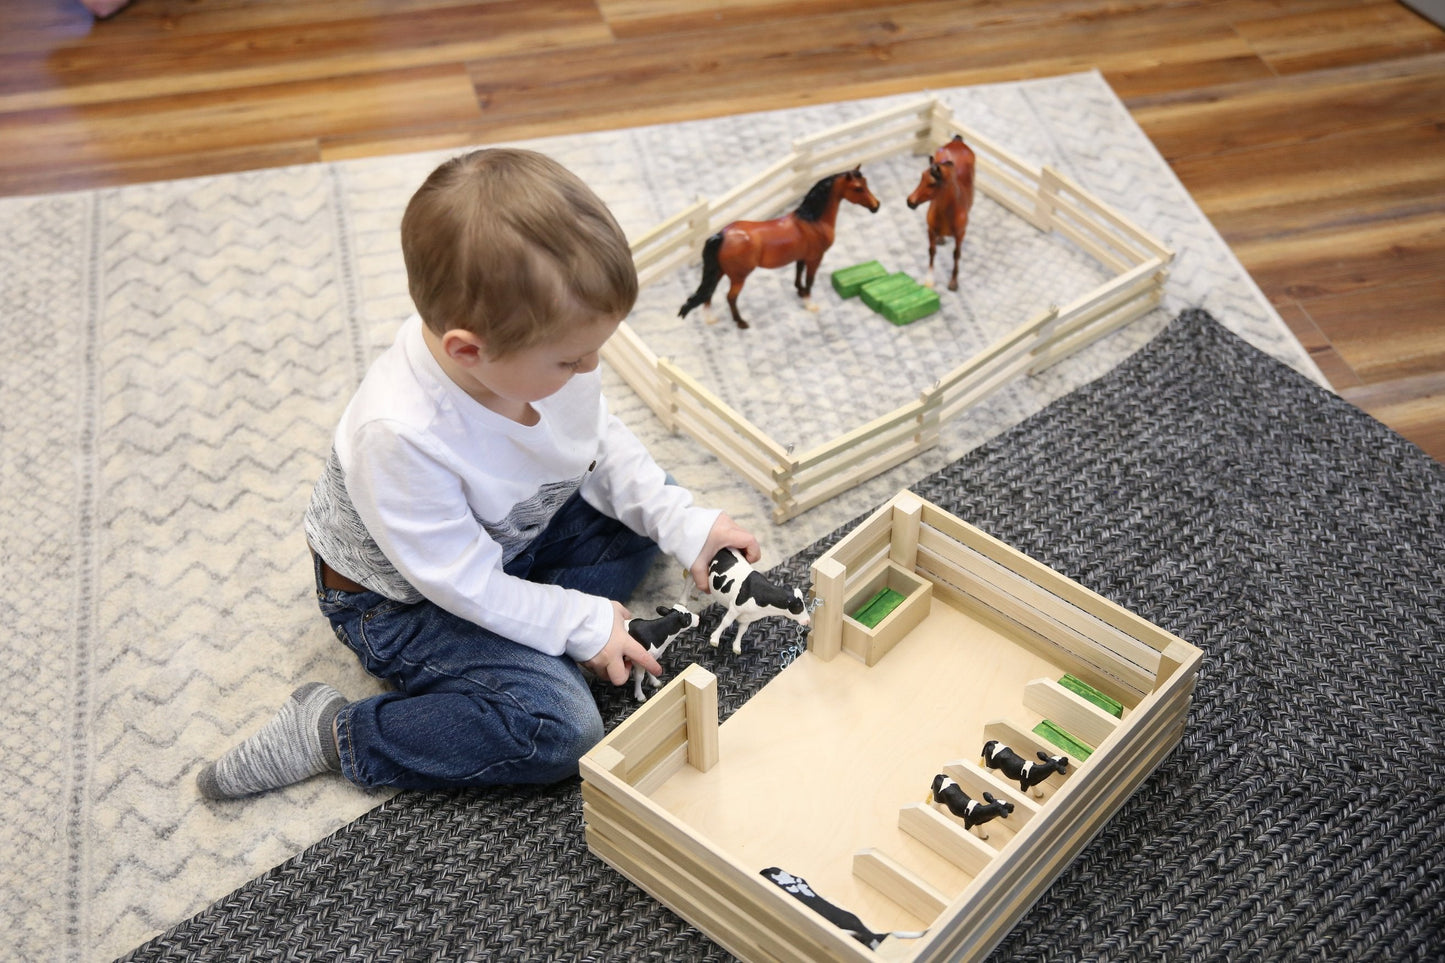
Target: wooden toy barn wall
x=1042, y=197
x=931, y=555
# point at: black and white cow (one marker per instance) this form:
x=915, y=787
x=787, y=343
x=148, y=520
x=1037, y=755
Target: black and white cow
x=848, y=922
x=971, y=811
x=1029, y=774
x=657, y=634
x=749, y=596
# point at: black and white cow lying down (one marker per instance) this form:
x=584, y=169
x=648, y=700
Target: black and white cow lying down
x=971, y=811
x=657, y=634
x=749, y=596
x=996, y=755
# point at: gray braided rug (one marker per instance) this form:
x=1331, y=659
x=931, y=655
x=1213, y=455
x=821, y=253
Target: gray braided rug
x=1201, y=484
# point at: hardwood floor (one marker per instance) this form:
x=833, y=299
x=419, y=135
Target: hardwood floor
x=1311, y=132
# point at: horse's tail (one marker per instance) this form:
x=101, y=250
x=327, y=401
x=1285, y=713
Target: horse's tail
x=711, y=275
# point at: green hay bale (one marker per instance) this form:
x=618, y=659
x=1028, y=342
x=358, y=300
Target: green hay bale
x=1073, y=748
x=876, y=293
x=876, y=609
x=1082, y=689
x=910, y=306
x=849, y=281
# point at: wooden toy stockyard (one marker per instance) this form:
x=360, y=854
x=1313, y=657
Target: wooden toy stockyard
x=1046, y=199
x=824, y=771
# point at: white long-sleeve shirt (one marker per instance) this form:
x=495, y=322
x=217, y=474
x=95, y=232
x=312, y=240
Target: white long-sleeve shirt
x=427, y=494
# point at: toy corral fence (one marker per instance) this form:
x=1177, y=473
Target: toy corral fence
x=1041, y=196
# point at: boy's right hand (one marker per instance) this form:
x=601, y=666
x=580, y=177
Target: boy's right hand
x=725, y=533
x=614, y=663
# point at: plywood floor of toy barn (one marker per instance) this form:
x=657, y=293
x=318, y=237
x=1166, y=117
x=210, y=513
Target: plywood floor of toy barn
x=817, y=765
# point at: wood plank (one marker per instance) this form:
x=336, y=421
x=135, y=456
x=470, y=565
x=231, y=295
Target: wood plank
x=920, y=42
x=1075, y=715
x=25, y=175
x=1411, y=344
x=826, y=638
x=39, y=24
x=1131, y=624
x=1399, y=168
x=1413, y=407
x=1317, y=263
x=1295, y=42
x=734, y=904
x=1331, y=363
x=700, y=692
x=115, y=136
x=865, y=540
x=899, y=883
x=946, y=837
x=134, y=66
x=1105, y=659
x=907, y=514
x=1296, y=110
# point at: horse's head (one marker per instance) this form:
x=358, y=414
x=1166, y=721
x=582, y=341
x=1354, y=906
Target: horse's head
x=854, y=188
x=930, y=183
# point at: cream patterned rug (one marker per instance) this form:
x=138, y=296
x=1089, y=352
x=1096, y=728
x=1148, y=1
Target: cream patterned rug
x=176, y=355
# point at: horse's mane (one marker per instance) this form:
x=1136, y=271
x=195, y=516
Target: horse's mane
x=816, y=199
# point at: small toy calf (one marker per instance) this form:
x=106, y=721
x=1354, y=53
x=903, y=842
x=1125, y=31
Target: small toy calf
x=848, y=922
x=749, y=597
x=1029, y=774
x=971, y=811
x=657, y=634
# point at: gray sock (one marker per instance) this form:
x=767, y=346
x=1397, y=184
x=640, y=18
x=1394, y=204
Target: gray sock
x=296, y=744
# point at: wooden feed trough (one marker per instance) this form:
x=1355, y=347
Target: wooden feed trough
x=1041, y=196
x=825, y=771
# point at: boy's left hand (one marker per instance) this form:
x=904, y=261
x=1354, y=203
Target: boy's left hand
x=614, y=663
x=725, y=533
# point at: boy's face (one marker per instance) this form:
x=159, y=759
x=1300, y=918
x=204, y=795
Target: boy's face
x=537, y=372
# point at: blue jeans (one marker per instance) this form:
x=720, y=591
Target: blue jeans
x=472, y=708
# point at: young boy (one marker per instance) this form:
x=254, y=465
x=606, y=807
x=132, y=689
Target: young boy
x=482, y=517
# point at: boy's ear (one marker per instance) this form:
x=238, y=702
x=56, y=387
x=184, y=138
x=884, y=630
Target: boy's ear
x=463, y=346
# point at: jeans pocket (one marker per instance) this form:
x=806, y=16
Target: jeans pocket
x=382, y=630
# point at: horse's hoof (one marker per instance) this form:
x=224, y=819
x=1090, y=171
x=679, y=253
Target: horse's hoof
x=743, y=324
x=953, y=285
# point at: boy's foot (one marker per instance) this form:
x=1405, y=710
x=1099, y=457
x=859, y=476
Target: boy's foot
x=298, y=743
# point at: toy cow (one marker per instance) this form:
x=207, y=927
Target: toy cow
x=749, y=597
x=971, y=811
x=657, y=634
x=848, y=922
x=1029, y=774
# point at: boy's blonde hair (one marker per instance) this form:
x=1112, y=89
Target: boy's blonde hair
x=513, y=247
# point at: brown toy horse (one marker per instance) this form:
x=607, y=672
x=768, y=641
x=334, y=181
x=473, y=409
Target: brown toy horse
x=800, y=238
x=947, y=186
